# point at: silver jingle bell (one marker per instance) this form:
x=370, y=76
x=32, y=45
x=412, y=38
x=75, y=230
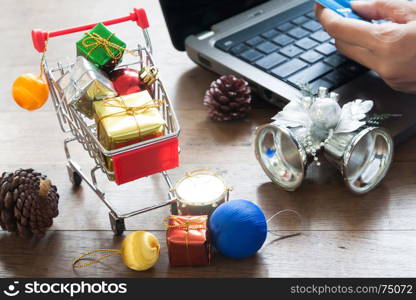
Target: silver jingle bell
x=363, y=157
x=281, y=155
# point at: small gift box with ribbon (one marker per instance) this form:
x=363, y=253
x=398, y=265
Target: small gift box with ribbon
x=101, y=47
x=188, y=241
x=126, y=120
x=83, y=84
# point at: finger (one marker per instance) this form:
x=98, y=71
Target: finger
x=349, y=30
x=398, y=11
x=361, y=55
x=406, y=87
x=317, y=7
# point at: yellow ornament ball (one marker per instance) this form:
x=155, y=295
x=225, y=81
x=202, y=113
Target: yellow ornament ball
x=140, y=250
x=30, y=91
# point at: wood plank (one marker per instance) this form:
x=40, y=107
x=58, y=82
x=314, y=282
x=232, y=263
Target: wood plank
x=343, y=234
x=312, y=254
x=323, y=199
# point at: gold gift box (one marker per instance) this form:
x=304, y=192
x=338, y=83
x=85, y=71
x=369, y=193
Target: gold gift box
x=126, y=120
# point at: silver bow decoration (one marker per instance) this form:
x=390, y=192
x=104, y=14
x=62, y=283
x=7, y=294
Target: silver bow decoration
x=315, y=120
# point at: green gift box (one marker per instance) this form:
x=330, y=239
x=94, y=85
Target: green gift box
x=101, y=47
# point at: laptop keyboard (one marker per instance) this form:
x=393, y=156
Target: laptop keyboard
x=297, y=51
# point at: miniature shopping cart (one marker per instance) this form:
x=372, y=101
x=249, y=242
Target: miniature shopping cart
x=131, y=162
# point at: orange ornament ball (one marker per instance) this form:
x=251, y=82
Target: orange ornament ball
x=30, y=91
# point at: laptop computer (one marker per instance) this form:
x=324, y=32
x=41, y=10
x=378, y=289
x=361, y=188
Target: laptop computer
x=277, y=46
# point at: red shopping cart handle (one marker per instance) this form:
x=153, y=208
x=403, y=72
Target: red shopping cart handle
x=39, y=37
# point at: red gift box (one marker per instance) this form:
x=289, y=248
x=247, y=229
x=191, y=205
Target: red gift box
x=188, y=241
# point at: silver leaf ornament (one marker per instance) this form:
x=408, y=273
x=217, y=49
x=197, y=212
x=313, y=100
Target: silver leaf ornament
x=351, y=115
x=294, y=114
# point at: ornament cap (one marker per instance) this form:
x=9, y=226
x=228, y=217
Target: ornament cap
x=148, y=75
x=322, y=92
x=334, y=96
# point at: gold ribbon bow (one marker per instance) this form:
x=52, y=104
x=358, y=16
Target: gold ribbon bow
x=99, y=41
x=188, y=224
x=129, y=110
x=94, y=40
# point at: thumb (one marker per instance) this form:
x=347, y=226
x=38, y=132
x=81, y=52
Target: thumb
x=398, y=11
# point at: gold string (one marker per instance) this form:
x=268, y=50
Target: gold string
x=98, y=41
x=42, y=60
x=84, y=255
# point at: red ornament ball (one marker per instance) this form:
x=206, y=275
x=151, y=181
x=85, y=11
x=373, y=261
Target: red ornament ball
x=126, y=81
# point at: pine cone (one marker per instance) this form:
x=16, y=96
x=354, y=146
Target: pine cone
x=28, y=202
x=228, y=98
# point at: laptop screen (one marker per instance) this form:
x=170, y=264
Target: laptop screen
x=186, y=17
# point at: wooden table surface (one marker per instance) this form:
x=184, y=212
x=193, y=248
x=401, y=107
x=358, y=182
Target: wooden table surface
x=342, y=234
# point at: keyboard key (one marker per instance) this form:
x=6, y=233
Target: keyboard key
x=291, y=51
x=239, y=48
x=311, y=15
x=270, y=61
x=254, y=41
x=312, y=25
x=353, y=68
x=300, y=20
x=289, y=68
x=311, y=56
x=321, y=83
x=320, y=36
x=335, y=60
x=332, y=41
x=269, y=34
x=224, y=45
x=298, y=33
x=285, y=27
x=283, y=40
x=326, y=49
x=337, y=77
x=306, y=43
x=251, y=55
x=267, y=47
x=310, y=74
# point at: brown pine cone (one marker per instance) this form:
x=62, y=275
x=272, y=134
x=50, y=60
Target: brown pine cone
x=228, y=98
x=28, y=202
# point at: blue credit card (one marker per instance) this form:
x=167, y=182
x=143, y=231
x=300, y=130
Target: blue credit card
x=341, y=7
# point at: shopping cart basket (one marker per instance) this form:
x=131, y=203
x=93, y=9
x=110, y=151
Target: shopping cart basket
x=131, y=162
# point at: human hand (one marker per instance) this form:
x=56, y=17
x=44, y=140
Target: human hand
x=389, y=49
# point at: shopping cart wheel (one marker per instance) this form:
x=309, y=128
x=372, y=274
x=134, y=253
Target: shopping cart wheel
x=174, y=208
x=117, y=224
x=74, y=177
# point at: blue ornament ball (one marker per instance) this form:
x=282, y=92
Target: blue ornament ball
x=238, y=228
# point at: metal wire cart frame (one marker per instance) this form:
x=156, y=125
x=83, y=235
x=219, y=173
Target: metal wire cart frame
x=84, y=131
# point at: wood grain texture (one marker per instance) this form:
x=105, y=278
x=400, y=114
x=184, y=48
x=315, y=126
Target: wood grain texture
x=342, y=234
x=312, y=254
